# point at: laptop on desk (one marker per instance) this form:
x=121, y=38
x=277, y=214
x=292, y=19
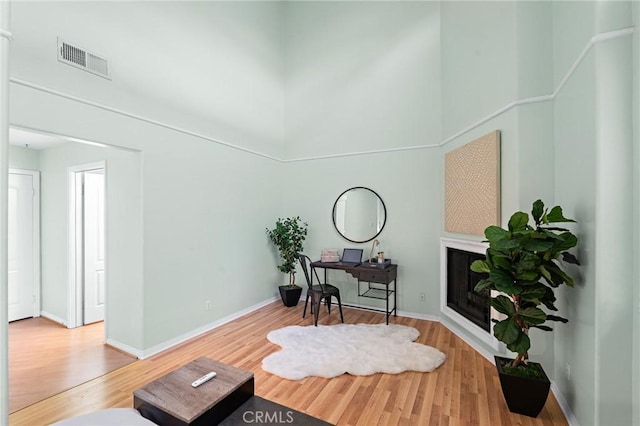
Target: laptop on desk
x=351, y=256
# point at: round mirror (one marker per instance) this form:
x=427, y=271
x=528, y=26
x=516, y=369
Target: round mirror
x=359, y=214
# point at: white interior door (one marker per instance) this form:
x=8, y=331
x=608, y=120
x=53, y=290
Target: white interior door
x=21, y=297
x=93, y=224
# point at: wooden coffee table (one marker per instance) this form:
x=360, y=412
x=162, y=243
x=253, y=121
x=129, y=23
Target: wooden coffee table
x=171, y=400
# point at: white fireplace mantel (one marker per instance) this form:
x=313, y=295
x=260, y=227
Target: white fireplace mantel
x=473, y=247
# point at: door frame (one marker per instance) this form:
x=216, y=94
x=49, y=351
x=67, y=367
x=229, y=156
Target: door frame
x=35, y=244
x=75, y=303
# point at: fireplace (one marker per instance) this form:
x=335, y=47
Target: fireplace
x=461, y=282
x=458, y=300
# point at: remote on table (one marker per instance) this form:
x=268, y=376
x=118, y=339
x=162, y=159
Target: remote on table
x=204, y=379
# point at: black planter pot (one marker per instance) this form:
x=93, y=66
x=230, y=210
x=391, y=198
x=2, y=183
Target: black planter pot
x=524, y=395
x=290, y=295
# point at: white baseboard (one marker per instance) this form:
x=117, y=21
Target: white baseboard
x=564, y=406
x=200, y=330
x=53, y=318
x=418, y=316
x=125, y=348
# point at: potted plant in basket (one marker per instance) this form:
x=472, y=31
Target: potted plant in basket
x=524, y=267
x=288, y=236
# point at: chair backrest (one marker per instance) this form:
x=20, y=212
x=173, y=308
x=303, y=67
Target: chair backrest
x=305, y=263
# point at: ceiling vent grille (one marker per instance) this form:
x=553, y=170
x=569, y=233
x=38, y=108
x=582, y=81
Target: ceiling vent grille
x=83, y=59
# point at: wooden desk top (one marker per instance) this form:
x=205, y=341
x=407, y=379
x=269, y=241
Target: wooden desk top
x=174, y=394
x=350, y=267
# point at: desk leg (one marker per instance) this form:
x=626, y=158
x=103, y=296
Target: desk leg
x=395, y=297
x=386, y=287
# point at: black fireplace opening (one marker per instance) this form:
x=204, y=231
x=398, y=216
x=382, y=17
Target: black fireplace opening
x=461, y=281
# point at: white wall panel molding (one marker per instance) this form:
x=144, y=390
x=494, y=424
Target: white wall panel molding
x=135, y=116
x=599, y=38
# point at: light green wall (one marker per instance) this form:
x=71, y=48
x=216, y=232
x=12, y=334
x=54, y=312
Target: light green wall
x=479, y=73
x=123, y=235
x=535, y=166
x=204, y=206
x=23, y=158
x=371, y=82
x=593, y=174
x=635, y=371
x=360, y=76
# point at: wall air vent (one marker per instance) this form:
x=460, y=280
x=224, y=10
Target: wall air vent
x=83, y=59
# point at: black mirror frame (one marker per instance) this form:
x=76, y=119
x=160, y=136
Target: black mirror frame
x=333, y=214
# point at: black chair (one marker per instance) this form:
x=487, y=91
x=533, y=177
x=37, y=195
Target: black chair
x=318, y=292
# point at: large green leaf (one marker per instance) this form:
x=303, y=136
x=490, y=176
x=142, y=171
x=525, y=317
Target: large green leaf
x=548, y=299
x=503, y=262
x=480, y=266
x=504, y=305
x=521, y=345
x=543, y=327
x=505, y=244
x=495, y=233
x=570, y=258
x=545, y=273
x=532, y=315
x=557, y=318
x=558, y=275
x=518, y=221
x=555, y=216
x=537, y=210
x=533, y=293
x=528, y=277
x=535, y=244
x=507, y=331
x=555, y=273
x=527, y=262
x=504, y=282
x=482, y=284
x=566, y=241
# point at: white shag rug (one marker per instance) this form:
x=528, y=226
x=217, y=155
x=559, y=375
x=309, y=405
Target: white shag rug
x=358, y=349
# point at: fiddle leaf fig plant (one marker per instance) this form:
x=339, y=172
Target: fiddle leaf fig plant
x=524, y=263
x=288, y=236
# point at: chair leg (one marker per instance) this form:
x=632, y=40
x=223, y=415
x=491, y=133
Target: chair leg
x=304, y=313
x=340, y=307
x=329, y=303
x=317, y=311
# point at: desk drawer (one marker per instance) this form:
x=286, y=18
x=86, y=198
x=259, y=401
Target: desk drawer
x=376, y=276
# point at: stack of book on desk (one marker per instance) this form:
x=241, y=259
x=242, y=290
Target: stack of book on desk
x=329, y=255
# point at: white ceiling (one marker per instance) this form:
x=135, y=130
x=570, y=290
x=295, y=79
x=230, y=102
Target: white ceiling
x=31, y=140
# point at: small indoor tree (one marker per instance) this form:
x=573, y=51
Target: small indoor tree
x=288, y=236
x=524, y=265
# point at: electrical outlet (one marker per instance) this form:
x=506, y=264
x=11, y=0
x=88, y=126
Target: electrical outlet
x=207, y=305
x=423, y=297
x=567, y=370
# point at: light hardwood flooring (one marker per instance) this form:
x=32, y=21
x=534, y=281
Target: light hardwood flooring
x=465, y=390
x=46, y=358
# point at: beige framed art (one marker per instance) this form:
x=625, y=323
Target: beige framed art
x=472, y=186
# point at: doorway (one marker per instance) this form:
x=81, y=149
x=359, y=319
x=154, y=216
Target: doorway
x=88, y=280
x=23, y=244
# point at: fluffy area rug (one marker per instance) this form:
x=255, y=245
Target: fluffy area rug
x=357, y=349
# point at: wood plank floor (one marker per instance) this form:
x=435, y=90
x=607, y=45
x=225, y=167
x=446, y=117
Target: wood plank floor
x=55, y=358
x=463, y=391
